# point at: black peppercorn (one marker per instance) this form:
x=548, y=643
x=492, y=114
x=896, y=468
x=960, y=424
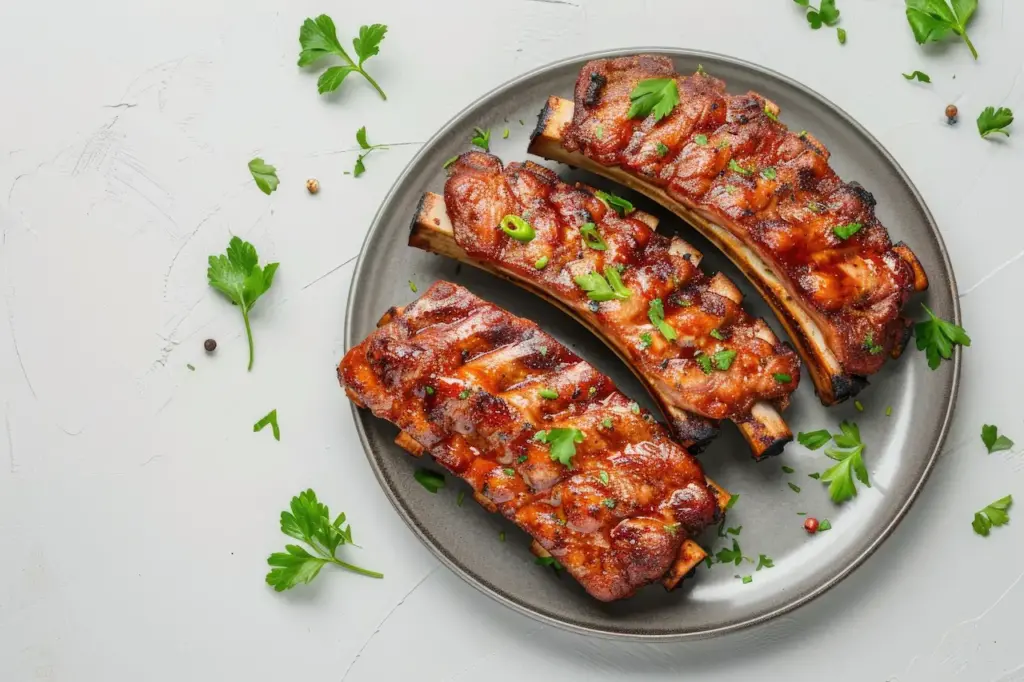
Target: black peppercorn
x=210, y=345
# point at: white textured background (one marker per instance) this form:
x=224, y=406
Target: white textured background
x=136, y=505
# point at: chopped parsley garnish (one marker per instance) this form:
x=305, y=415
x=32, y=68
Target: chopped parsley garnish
x=673, y=528
x=936, y=337
x=794, y=487
x=656, y=314
x=846, y=231
x=734, y=531
x=412, y=286
x=543, y=351
x=733, y=499
x=501, y=536
x=701, y=140
x=464, y=394
x=782, y=377
x=920, y=76
x=504, y=135
x=605, y=288
x=764, y=561
x=814, y=439
x=431, y=480
x=309, y=521
x=787, y=469
x=449, y=162
x=888, y=411
x=521, y=458
x=731, y=189
x=460, y=498
x=549, y=394
x=603, y=475
x=850, y=464
x=429, y=390
x=517, y=228
x=704, y=361
x=870, y=345
x=993, y=441
x=715, y=334
x=481, y=138
x=271, y=419
x=541, y=263
x=653, y=95
x=747, y=579
x=634, y=408
x=815, y=476
x=734, y=166
x=661, y=148
x=825, y=14
x=549, y=561
x=994, y=120
x=824, y=525
x=730, y=556
x=770, y=114
x=616, y=203
x=841, y=35
x=592, y=238
x=608, y=502
x=509, y=471
x=769, y=173
x=723, y=359
x=645, y=340
x=562, y=443
x=606, y=422
x=599, y=132
x=995, y=514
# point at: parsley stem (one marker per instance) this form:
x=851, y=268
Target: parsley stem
x=385, y=97
x=356, y=569
x=966, y=40
x=248, y=332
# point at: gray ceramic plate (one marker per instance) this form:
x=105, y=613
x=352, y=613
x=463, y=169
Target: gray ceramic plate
x=901, y=448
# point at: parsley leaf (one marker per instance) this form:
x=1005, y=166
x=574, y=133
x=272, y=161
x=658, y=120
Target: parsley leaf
x=704, y=361
x=737, y=168
x=431, y=480
x=562, y=442
x=310, y=522
x=730, y=556
x=656, y=314
x=481, y=138
x=616, y=203
x=264, y=174
x=826, y=14
x=870, y=345
x=814, y=439
x=841, y=35
x=994, y=514
x=733, y=499
x=645, y=340
x=919, y=75
x=592, y=238
x=824, y=525
x=936, y=337
x=360, y=168
x=605, y=288
x=764, y=561
x=994, y=120
x=653, y=95
x=701, y=140
x=992, y=440
x=319, y=38
x=850, y=463
x=723, y=359
x=846, y=231
x=549, y=561
x=271, y=419
x=237, y=275
x=933, y=20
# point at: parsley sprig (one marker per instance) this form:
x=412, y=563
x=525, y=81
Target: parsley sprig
x=995, y=514
x=367, y=147
x=562, y=443
x=850, y=463
x=237, y=275
x=994, y=120
x=933, y=20
x=309, y=522
x=264, y=174
x=658, y=96
x=936, y=337
x=319, y=38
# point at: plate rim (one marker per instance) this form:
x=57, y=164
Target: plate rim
x=495, y=592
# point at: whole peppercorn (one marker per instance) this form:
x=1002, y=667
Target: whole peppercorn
x=313, y=185
x=811, y=525
x=951, y=112
x=210, y=345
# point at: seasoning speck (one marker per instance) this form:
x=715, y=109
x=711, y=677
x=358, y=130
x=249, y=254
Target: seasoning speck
x=313, y=185
x=210, y=345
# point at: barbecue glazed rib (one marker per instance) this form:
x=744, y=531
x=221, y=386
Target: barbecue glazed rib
x=692, y=388
x=767, y=197
x=463, y=380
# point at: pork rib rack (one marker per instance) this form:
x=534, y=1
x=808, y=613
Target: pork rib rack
x=711, y=362
x=493, y=399
x=767, y=197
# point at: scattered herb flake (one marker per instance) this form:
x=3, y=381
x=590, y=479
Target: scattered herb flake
x=995, y=514
x=764, y=561
x=794, y=487
x=783, y=378
x=919, y=76
x=264, y=174
x=993, y=441
x=656, y=314
x=481, y=138
x=814, y=439
x=787, y=469
x=846, y=231
x=431, y=480
x=824, y=525
x=548, y=393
